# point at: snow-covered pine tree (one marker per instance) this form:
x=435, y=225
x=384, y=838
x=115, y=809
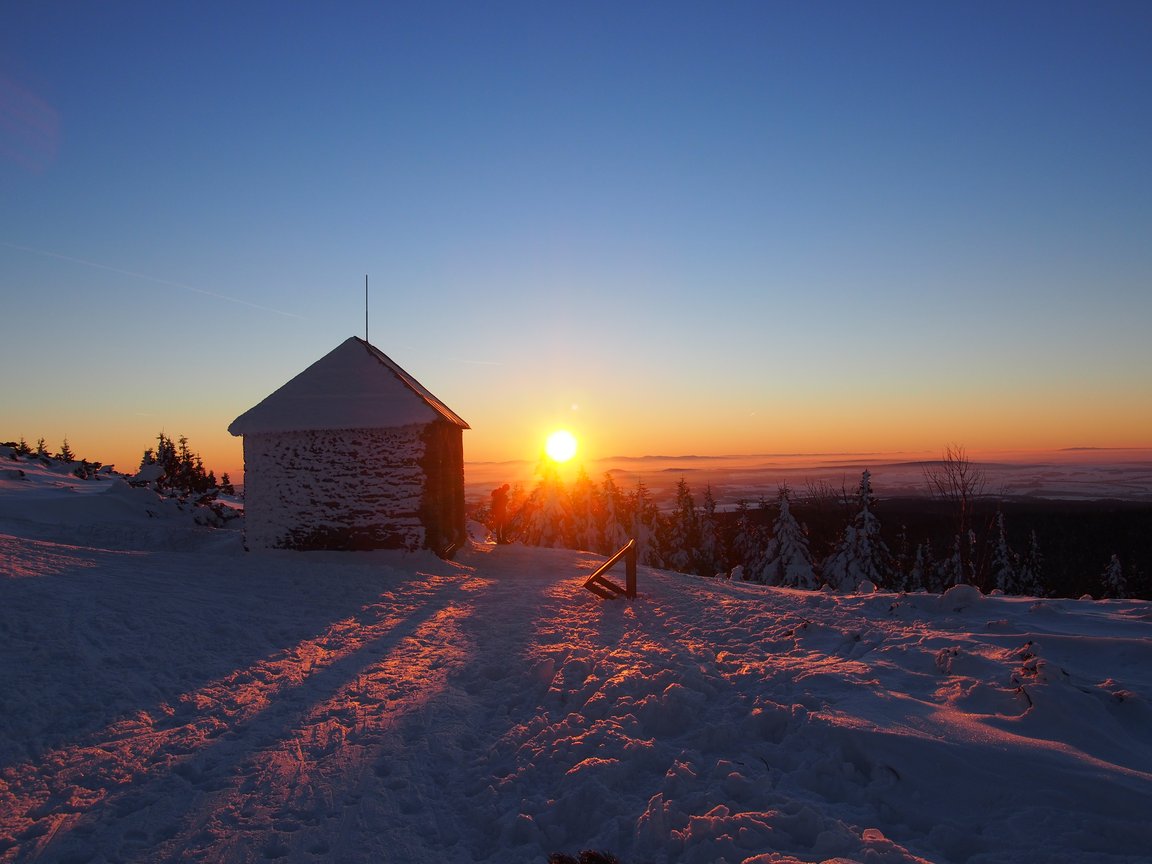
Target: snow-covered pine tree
x=950, y=570
x=661, y=541
x=646, y=519
x=861, y=553
x=546, y=511
x=839, y=568
x=617, y=527
x=583, y=532
x=747, y=544
x=681, y=537
x=922, y=573
x=1002, y=564
x=1112, y=579
x=517, y=510
x=1030, y=575
x=787, y=560
x=710, y=559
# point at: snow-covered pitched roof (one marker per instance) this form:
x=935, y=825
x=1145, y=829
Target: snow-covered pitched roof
x=354, y=386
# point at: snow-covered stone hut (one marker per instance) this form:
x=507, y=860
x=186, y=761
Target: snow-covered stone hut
x=353, y=453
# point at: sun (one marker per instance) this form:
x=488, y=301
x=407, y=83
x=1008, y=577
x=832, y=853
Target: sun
x=561, y=446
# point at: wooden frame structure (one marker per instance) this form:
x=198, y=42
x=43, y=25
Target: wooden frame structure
x=602, y=586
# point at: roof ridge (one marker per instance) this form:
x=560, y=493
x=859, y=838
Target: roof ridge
x=346, y=389
x=412, y=384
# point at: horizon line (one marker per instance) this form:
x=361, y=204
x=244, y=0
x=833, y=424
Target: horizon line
x=819, y=454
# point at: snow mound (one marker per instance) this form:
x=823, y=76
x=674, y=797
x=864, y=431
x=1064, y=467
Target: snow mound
x=43, y=499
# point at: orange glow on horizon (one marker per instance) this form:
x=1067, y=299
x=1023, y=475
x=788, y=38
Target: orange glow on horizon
x=653, y=424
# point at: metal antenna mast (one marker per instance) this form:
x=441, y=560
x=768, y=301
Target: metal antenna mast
x=365, y=307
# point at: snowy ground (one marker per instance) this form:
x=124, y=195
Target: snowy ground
x=166, y=697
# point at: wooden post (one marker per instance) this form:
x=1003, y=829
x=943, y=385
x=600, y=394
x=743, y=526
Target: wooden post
x=602, y=586
x=630, y=571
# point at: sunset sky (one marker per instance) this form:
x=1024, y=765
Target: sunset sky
x=762, y=227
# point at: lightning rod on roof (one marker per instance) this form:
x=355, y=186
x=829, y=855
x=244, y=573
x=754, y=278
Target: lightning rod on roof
x=365, y=307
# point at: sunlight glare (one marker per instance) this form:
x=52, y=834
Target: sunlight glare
x=561, y=446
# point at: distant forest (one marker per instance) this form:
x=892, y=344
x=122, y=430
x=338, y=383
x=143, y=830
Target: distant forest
x=821, y=536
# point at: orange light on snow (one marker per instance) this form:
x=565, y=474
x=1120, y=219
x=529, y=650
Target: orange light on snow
x=152, y=743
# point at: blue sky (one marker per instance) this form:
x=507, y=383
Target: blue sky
x=673, y=227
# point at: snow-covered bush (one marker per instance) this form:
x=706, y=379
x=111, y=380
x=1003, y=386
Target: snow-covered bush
x=787, y=560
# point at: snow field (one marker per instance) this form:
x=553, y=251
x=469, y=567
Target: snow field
x=167, y=697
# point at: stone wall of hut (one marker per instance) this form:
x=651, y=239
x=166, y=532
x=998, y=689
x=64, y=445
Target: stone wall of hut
x=338, y=489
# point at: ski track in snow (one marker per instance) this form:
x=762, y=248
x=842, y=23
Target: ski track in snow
x=222, y=707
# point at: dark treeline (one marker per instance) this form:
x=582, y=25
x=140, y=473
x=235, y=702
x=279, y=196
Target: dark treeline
x=819, y=536
x=177, y=469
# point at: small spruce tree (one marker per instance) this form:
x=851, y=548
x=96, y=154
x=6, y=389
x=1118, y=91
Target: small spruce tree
x=583, y=528
x=617, y=526
x=1112, y=579
x=747, y=544
x=681, y=537
x=787, y=560
x=546, y=513
x=645, y=521
x=710, y=558
x=1030, y=575
x=861, y=553
x=950, y=570
x=922, y=573
x=1003, y=560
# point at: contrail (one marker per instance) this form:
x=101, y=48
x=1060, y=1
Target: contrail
x=148, y=278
